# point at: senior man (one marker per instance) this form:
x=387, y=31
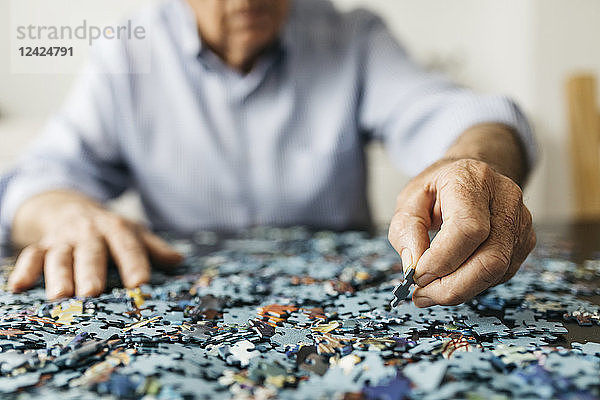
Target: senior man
x=255, y=112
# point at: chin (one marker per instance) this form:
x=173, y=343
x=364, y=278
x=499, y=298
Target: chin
x=256, y=39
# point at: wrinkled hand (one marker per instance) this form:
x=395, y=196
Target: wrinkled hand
x=75, y=244
x=485, y=231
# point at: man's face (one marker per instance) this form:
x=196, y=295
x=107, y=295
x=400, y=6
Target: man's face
x=238, y=30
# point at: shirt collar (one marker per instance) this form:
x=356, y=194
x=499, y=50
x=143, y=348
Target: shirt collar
x=188, y=29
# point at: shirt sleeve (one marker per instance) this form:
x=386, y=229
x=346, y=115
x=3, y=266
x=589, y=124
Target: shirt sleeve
x=78, y=149
x=418, y=114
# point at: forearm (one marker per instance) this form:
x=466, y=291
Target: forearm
x=39, y=214
x=495, y=144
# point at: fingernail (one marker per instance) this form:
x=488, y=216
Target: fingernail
x=137, y=280
x=423, y=301
x=13, y=284
x=85, y=292
x=58, y=293
x=91, y=288
x=406, y=257
x=15, y=288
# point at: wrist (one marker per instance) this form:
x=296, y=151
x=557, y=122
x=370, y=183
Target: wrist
x=497, y=145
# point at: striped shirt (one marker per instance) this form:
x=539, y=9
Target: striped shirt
x=209, y=148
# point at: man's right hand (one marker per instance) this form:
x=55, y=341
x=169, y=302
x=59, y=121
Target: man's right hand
x=70, y=237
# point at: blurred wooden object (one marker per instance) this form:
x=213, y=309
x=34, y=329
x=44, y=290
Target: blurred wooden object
x=584, y=119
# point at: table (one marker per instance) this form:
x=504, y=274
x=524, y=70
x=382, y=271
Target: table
x=290, y=313
x=581, y=240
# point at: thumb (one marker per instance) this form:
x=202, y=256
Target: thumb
x=409, y=228
x=160, y=251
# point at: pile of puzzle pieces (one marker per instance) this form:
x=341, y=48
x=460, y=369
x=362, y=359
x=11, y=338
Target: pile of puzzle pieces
x=294, y=314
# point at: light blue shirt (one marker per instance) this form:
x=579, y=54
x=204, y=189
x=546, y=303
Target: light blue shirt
x=209, y=148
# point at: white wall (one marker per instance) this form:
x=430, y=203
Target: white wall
x=523, y=48
x=478, y=43
x=567, y=37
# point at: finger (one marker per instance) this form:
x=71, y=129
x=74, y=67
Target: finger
x=129, y=253
x=409, y=228
x=27, y=268
x=160, y=252
x=520, y=255
x=89, y=269
x=58, y=272
x=483, y=269
x=465, y=210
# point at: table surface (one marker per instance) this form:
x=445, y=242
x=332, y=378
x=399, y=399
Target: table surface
x=576, y=241
x=289, y=313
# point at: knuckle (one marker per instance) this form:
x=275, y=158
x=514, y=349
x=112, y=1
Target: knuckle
x=511, y=221
x=111, y=222
x=475, y=170
x=517, y=193
x=394, y=229
x=83, y=229
x=511, y=192
x=86, y=225
x=92, y=246
x=29, y=258
x=517, y=204
x=132, y=246
x=119, y=223
x=492, y=267
x=61, y=248
x=508, y=193
x=499, y=260
x=400, y=198
x=89, y=258
x=474, y=229
x=482, y=171
x=33, y=249
x=402, y=224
